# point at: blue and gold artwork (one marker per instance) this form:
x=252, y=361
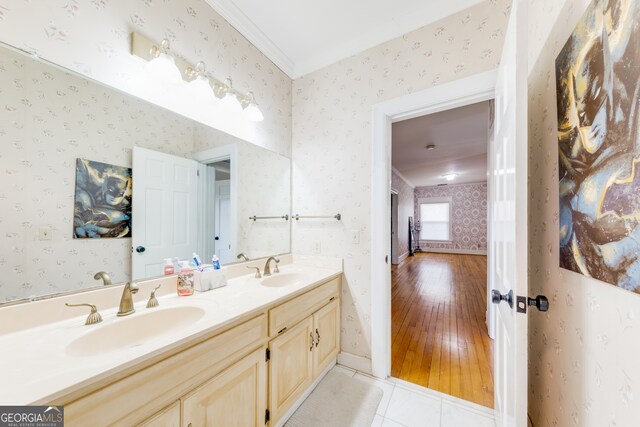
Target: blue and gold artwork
x=102, y=200
x=598, y=97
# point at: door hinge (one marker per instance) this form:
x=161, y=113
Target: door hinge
x=197, y=173
x=267, y=416
x=267, y=355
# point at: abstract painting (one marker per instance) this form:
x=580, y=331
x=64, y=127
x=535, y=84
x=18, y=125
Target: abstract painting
x=102, y=200
x=598, y=96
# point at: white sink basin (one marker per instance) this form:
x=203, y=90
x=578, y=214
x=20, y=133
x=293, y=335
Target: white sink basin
x=283, y=279
x=132, y=331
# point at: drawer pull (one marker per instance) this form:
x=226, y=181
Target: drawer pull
x=317, y=337
x=312, y=342
x=331, y=299
x=282, y=330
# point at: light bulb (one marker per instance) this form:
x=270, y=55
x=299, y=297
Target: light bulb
x=253, y=113
x=163, y=67
x=230, y=103
x=450, y=176
x=200, y=88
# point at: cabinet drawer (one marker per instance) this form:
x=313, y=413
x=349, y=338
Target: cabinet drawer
x=136, y=397
x=293, y=311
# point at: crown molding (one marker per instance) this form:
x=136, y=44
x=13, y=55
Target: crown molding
x=402, y=177
x=238, y=20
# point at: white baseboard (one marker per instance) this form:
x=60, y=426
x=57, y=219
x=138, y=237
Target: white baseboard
x=352, y=361
x=455, y=251
x=304, y=395
x=403, y=257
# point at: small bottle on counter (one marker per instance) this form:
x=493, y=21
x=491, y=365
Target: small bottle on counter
x=168, y=267
x=215, y=261
x=185, y=279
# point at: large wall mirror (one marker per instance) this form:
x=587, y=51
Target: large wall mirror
x=94, y=180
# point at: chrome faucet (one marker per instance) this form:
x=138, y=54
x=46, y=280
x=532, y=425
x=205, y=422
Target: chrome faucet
x=242, y=255
x=267, y=269
x=126, y=302
x=102, y=275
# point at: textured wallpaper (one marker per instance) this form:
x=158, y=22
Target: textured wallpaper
x=405, y=210
x=583, y=353
x=468, y=215
x=332, y=111
x=93, y=37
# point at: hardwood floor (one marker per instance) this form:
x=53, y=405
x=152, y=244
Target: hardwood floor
x=438, y=331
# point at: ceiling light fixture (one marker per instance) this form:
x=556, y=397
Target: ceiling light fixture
x=430, y=147
x=450, y=176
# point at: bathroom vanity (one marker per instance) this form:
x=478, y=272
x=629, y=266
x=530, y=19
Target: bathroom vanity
x=245, y=354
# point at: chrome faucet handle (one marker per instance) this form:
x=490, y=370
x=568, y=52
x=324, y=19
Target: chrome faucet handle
x=242, y=255
x=153, y=301
x=277, y=270
x=257, y=275
x=93, y=318
x=102, y=275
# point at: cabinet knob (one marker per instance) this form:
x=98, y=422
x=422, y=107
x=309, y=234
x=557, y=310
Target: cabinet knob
x=317, y=337
x=312, y=341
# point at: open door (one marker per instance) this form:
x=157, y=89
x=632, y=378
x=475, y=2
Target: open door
x=508, y=225
x=164, y=210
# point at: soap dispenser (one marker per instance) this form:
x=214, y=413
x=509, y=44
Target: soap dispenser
x=185, y=279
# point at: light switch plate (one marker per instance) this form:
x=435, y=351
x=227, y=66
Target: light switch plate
x=317, y=248
x=45, y=232
x=355, y=237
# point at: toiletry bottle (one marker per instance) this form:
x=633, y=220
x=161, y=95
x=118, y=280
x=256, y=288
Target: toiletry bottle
x=168, y=267
x=215, y=262
x=197, y=262
x=185, y=279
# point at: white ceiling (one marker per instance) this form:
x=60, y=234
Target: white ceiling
x=460, y=136
x=301, y=36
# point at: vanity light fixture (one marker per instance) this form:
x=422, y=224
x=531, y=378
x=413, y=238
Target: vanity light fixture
x=199, y=86
x=163, y=64
x=450, y=176
x=230, y=101
x=251, y=111
x=172, y=68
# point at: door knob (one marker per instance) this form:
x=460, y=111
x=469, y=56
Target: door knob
x=140, y=249
x=540, y=302
x=216, y=238
x=497, y=297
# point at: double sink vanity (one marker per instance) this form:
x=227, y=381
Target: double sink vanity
x=244, y=354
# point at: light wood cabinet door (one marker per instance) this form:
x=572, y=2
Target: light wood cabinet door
x=235, y=398
x=326, y=332
x=168, y=417
x=291, y=367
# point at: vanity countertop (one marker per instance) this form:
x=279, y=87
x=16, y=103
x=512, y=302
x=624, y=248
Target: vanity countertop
x=38, y=366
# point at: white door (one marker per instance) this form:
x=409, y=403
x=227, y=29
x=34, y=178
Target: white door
x=164, y=211
x=508, y=223
x=223, y=225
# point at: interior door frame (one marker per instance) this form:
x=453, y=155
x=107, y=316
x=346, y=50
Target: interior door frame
x=469, y=90
x=217, y=154
x=395, y=257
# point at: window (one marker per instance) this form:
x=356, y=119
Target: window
x=435, y=220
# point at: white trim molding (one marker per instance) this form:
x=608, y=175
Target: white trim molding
x=403, y=257
x=470, y=90
x=356, y=362
x=455, y=251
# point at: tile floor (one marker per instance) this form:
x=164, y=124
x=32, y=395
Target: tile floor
x=407, y=405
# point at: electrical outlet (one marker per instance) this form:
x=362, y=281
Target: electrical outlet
x=355, y=237
x=45, y=232
x=317, y=247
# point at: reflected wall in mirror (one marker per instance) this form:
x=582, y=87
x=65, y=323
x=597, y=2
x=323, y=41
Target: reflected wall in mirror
x=51, y=117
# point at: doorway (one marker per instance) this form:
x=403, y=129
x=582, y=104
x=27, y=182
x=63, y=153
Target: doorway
x=470, y=90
